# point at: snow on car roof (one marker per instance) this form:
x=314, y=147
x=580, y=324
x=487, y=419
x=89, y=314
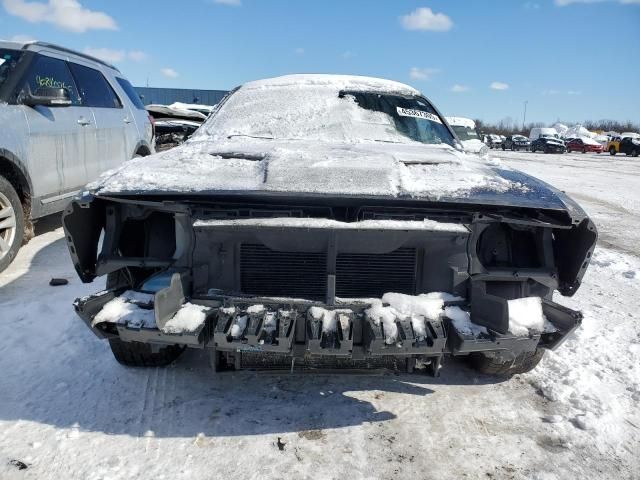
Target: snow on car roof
x=334, y=82
x=461, y=122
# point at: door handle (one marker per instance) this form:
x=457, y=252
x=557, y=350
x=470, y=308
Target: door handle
x=127, y=120
x=83, y=121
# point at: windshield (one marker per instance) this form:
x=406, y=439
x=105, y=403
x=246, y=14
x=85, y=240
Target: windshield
x=8, y=61
x=465, y=133
x=519, y=138
x=326, y=114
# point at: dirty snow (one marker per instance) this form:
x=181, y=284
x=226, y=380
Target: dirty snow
x=189, y=318
x=428, y=225
x=239, y=326
x=121, y=310
x=68, y=410
x=462, y=321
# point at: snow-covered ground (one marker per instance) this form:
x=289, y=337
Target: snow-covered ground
x=68, y=410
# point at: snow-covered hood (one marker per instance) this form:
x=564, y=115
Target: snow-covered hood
x=366, y=170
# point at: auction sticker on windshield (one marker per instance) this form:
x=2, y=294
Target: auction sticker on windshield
x=410, y=112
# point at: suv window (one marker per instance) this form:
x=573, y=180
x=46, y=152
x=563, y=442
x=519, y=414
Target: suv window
x=94, y=88
x=131, y=93
x=54, y=73
x=8, y=60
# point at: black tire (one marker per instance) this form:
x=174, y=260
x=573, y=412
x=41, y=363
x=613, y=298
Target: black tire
x=612, y=151
x=11, y=223
x=136, y=354
x=584, y=150
x=532, y=149
x=503, y=147
x=524, y=362
x=634, y=153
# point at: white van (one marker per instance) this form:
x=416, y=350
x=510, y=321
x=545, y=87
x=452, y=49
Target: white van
x=542, y=132
x=465, y=129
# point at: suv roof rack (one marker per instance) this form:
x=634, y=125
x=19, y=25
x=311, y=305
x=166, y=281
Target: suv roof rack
x=68, y=50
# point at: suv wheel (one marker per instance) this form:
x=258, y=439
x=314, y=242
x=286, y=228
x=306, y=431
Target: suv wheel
x=634, y=153
x=612, y=151
x=524, y=362
x=11, y=223
x=137, y=354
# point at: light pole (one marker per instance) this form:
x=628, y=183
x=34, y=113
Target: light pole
x=524, y=117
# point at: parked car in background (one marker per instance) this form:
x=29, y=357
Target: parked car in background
x=495, y=141
x=538, y=132
x=548, y=144
x=627, y=145
x=465, y=129
x=624, y=144
x=372, y=243
x=66, y=118
x=516, y=142
x=583, y=145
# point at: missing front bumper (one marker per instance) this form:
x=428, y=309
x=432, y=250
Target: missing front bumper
x=287, y=329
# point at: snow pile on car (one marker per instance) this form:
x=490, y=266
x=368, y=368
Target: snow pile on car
x=429, y=306
x=578, y=131
x=305, y=138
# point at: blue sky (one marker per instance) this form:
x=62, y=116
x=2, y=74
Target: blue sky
x=570, y=59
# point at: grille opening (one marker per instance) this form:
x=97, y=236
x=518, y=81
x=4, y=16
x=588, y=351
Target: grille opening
x=266, y=272
x=373, y=275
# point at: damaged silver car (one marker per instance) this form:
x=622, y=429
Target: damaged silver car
x=328, y=221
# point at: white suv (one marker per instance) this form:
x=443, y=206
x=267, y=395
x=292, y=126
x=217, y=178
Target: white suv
x=65, y=117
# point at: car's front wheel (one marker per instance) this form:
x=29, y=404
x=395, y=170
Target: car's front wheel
x=137, y=354
x=488, y=365
x=11, y=223
x=634, y=153
x=612, y=151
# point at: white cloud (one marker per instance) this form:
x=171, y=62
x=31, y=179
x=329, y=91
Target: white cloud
x=424, y=19
x=22, y=39
x=65, y=14
x=460, y=88
x=231, y=3
x=137, y=56
x=499, y=86
x=106, y=54
x=564, y=3
x=423, y=73
x=169, y=72
x=299, y=51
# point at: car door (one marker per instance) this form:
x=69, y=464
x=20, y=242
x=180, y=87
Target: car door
x=111, y=117
x=57, y=135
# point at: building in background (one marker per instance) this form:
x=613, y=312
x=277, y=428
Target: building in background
x=167, y=96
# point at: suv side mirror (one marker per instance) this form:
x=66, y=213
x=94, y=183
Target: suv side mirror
x=47, y=96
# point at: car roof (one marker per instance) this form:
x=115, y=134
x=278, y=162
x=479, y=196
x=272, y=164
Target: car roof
x=37, y=46
x=335, y=82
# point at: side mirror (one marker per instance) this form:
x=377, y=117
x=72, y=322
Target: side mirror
x=47, y=96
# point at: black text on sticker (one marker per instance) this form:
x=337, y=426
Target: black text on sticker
x=410, y=112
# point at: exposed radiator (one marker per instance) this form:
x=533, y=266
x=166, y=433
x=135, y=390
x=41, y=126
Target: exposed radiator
x=373, y=275
x=267, y=272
